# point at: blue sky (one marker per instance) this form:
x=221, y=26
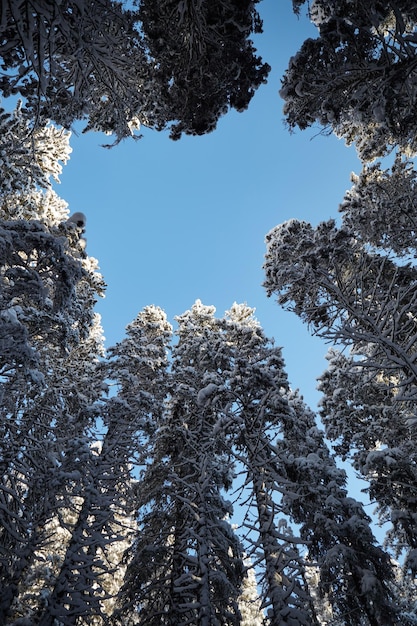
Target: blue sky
x=171, y=222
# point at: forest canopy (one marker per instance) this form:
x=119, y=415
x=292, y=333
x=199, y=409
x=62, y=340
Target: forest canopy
x=121, y=469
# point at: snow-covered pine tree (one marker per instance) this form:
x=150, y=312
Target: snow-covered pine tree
x=347, y=293
x=357, y=77
x=138, y=367
x=205, y=55
x=252, y=421
x=381, y=208
x=105, y=523
x=92, y=520
x=354, y=572
x=356, y=286
x=52, y=497
x=121, y=64
x=356, y=297
x=369, y=426
x=51, y=341
x=186, y=565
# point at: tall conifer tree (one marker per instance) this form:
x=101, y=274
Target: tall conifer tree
x=355, y=573
x=186, y=565
x=52, y=341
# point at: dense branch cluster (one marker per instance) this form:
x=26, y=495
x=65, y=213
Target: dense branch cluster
x=162, y=64
x=205, y=61
x=358, y=77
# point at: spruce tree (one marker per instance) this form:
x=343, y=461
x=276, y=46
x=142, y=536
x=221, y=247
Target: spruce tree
x=52, y=341
x=105, y=523
x=185, y=566
x=354, y=572
x=257, y=384
x=356, y=286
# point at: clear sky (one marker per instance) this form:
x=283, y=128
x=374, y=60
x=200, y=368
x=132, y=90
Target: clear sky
x=171, y=222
